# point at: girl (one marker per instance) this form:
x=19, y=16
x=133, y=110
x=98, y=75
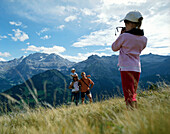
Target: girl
x=130, y=43
x=75, y=90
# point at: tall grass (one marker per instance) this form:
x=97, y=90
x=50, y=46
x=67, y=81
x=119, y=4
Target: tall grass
x=105, y=117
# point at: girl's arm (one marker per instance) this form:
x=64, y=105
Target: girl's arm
x=118, y=43
x=71, y=85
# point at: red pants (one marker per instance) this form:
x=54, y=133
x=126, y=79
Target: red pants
x=130, y=81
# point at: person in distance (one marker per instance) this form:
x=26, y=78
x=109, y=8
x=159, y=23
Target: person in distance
x=86, y=84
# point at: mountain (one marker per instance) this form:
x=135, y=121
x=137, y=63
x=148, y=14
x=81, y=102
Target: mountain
x=26, y=67
x=49, y=86
x=155, y=68
x=7, y=65
x=104, y=73
x=103, y=70
x=98, y=67
x=5, y=84
x=52, y=85
x=155, y=64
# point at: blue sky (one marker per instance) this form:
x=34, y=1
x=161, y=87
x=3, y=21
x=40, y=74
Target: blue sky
x=76, y=29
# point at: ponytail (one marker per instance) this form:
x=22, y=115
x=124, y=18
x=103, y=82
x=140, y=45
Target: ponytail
x=139, y=23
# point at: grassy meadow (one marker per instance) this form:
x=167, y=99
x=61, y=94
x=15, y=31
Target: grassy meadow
x=106, y=117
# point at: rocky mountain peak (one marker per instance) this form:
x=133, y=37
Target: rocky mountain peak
x=36, y=56
x=93, y=57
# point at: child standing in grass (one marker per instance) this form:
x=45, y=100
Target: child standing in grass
x=75, y=90
x=130, y=43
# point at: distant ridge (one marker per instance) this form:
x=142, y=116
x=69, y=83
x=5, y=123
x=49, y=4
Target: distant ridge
x=31, y=65
x=103, y=70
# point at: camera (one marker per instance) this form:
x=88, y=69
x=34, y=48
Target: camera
x=117, y=29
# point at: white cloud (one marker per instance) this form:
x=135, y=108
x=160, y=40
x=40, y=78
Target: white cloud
x=10, y=34
x=48, y=50
x=3, y=37
x=155, y=24
x=73, y=58
x=122, y=2
x=70, y=18
x=19, y=35
x=157, y=50
x=43, y=11
x=98, y=38
x=58, y=50
x=81, y=56
x=42, y=31
x=46, y=37
x=15, y=23
x=103, y=15
x=88, y=12
x=61, y=27
x=5, y=54
x=1, y=59
x=28, y=43
x=103, y=18
x=105, y=49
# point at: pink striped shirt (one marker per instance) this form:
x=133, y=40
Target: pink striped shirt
x=130, y=47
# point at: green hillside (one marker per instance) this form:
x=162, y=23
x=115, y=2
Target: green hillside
x=49, y=86
x=105, y=117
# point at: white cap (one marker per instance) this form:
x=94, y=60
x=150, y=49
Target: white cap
x=72, y=69
x=132, y=16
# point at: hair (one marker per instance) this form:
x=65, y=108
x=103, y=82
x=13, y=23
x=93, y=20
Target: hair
x=75, y=77
x=138, y=24
x=83, y=73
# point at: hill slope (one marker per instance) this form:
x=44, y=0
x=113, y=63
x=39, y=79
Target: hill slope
x=49, y=86
x=106, y=117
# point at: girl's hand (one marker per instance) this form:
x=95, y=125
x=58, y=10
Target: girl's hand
x=123, y=30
